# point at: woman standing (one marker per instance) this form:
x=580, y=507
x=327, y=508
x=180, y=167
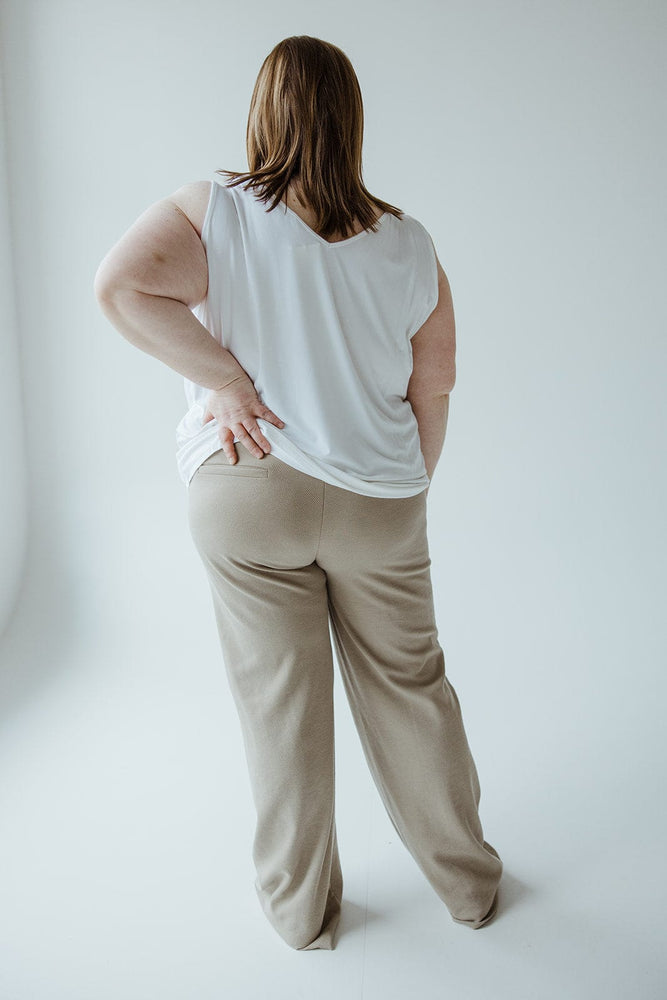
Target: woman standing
x=313, y=325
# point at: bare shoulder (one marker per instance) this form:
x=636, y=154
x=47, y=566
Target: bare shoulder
x=192, y=199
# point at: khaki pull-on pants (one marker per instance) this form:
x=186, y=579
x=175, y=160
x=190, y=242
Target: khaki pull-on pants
x=285, y=553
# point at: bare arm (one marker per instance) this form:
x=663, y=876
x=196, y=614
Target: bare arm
x=146, y=285
x=432, y=414
x=434, y=374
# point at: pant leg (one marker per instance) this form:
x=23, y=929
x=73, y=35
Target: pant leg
x=375, y=553
x=256, y=526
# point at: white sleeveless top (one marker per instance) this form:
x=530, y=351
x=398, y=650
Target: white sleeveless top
x=324, y=331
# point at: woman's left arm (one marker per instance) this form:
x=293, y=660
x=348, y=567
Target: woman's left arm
x=146, y=286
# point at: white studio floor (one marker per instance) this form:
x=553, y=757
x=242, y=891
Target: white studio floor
x=125, y=851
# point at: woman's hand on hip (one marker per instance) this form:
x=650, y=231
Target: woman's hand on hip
x=236, y=407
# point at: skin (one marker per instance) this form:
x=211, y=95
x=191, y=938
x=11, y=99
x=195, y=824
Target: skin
x=149, y=281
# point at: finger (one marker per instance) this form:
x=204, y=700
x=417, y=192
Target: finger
x=227, y=442
x=249, y=441
x=255, y=432
x=207, y=416
x=272, y=418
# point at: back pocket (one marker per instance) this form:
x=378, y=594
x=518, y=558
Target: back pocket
x=246, y=464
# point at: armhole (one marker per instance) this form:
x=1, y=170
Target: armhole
x=433, y=289
x=206, y=224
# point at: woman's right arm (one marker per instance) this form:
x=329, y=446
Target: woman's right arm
x=434, y=374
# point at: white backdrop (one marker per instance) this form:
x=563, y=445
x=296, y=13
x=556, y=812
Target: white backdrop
x=529, y=139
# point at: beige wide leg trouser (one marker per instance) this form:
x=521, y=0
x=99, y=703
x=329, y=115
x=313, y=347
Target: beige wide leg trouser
x=285, y=554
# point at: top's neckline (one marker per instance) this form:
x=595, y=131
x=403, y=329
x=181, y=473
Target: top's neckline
x=330, y=243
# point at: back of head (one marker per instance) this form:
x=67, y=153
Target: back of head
x=305, y=130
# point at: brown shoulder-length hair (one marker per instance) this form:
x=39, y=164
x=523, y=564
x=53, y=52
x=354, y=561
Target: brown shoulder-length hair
x=306, y=125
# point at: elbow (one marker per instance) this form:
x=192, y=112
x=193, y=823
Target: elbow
x=434, y=385
x=441, y=379
x=114, y=299
x=449, y=381
x=108, y=282
x=103, y=286
x=111, y=299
